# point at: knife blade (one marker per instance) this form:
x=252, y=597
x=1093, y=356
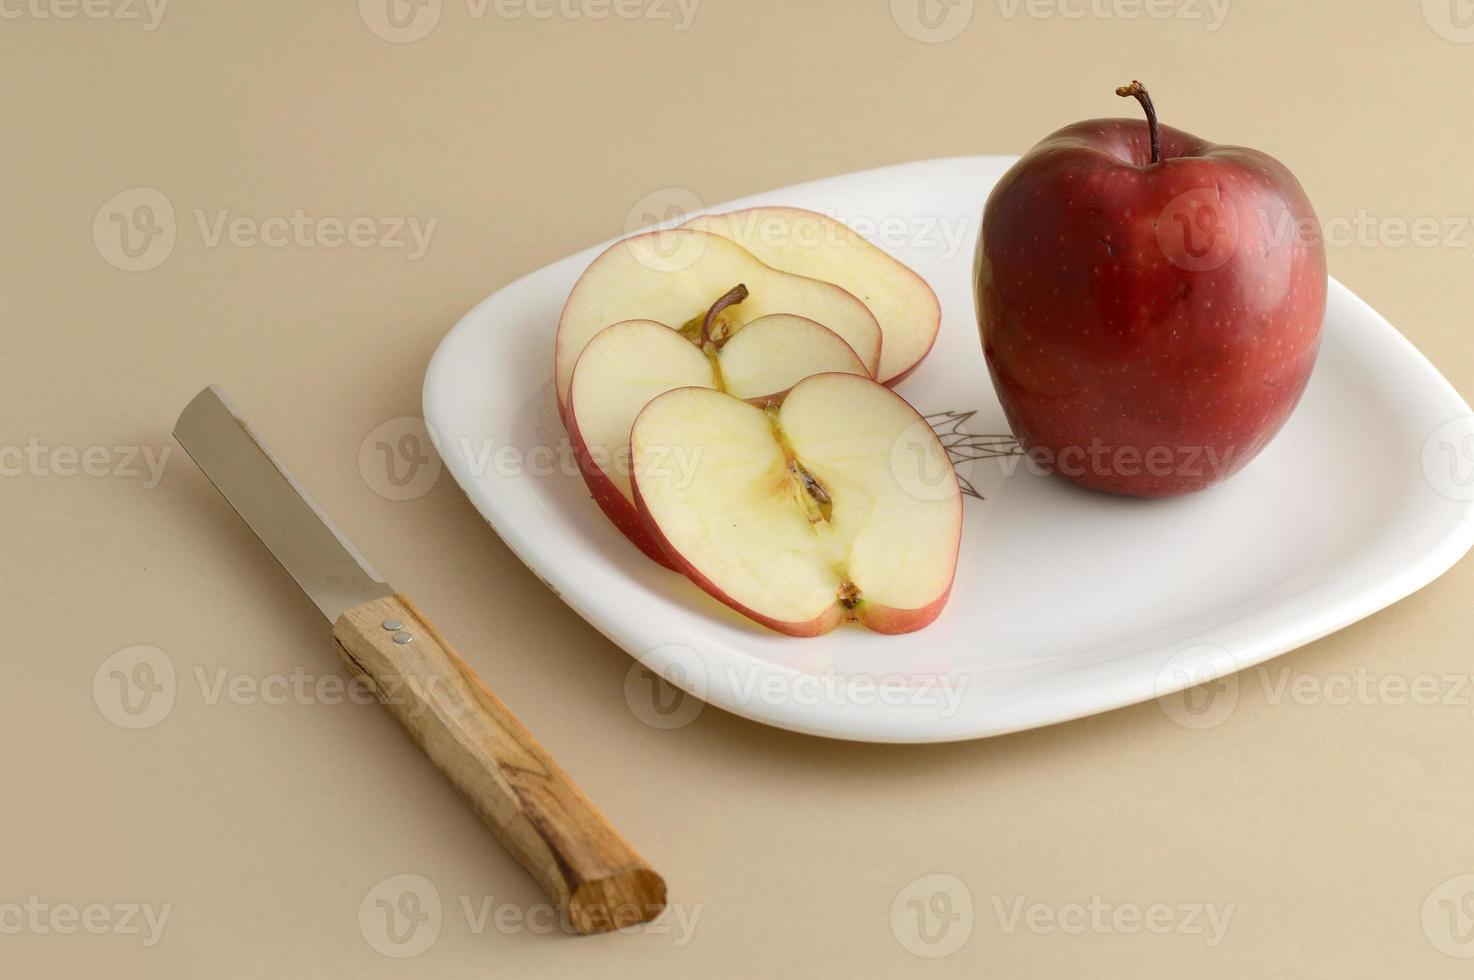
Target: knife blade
x=532, y=806
x=297, y=532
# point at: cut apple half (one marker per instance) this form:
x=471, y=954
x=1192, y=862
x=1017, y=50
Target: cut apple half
x=839, y=505
x=629, y=364
x=811, y=244
x=674, y=276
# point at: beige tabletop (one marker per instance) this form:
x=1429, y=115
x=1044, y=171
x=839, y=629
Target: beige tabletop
x=297, y=201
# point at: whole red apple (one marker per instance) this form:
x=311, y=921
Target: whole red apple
x=1150, y=303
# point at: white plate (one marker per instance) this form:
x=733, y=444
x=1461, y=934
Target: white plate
x=1067, y=603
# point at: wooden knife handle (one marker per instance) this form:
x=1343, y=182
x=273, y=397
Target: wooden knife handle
x=511, y=782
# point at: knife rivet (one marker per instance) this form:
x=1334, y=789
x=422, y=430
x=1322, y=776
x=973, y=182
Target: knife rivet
x=403, y=638
x=392, y=625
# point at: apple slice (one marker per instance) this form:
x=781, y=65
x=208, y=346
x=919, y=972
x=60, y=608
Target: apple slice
x=811, y=244
x=674, y=276
x=628, y=364
x=839, y=505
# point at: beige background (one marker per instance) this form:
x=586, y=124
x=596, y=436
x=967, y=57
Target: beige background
x=1325, y=826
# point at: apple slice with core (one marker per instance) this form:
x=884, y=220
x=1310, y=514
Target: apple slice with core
x=839, y=505
x=674, y=276
x=628, y=364
x=811, y=244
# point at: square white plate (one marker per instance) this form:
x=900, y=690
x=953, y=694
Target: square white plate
x=1067, y=602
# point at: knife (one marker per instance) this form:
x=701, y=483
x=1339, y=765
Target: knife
x=597, y=878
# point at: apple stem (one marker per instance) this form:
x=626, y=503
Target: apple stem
x=1138, y=91
x=732, y=297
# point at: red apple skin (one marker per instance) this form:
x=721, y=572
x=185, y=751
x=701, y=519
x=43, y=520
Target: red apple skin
x=890, y=620
x=1130, y=308
x=616, y=507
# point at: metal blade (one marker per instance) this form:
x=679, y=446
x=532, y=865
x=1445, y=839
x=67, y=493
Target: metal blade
x=317, y=556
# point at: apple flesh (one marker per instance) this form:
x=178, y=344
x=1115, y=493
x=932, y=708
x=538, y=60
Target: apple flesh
x=1150, y=303
x=811, y=244
x=839, y=505
x=627, y=365
x=674, y=277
